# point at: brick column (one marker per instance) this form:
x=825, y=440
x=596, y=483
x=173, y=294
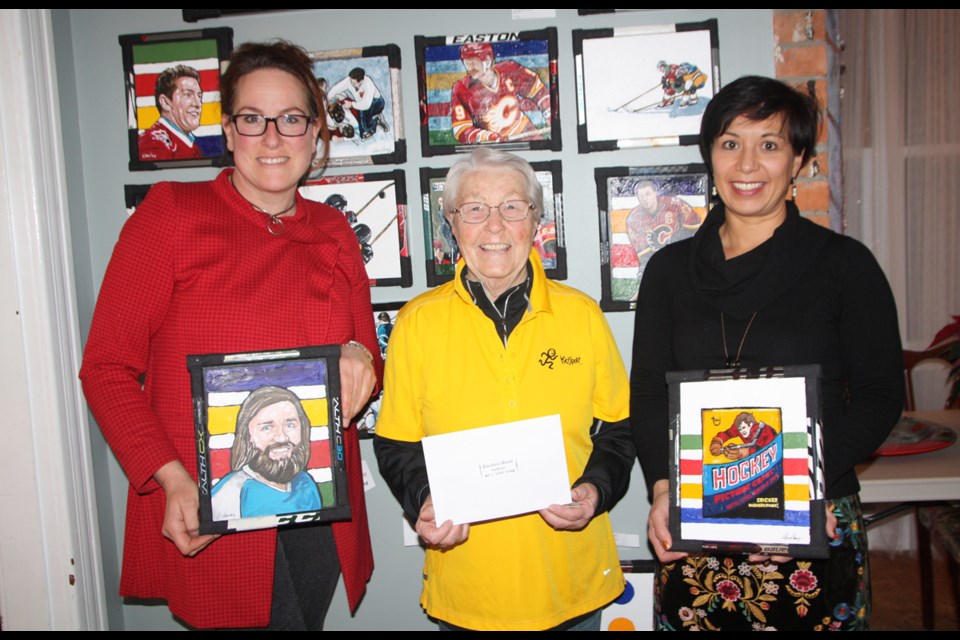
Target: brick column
x=807, y=57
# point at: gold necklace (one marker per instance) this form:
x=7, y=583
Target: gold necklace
x=735, y=362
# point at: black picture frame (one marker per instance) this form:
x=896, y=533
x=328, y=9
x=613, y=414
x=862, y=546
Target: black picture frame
x=375, y=205
x=357, y=138
x=641, y=210
x=746, y=472
x=384, y=316
x=458, y=111
x=440, y=247
x=644, y=86
x=228, y=389
x=197, y=53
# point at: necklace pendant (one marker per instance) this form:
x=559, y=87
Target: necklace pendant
x=275, y=225
x=733, y=363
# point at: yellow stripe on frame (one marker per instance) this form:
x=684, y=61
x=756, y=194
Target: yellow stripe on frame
x=316, y=411
x=148, y=116
x=222, y=420
x=691, y=491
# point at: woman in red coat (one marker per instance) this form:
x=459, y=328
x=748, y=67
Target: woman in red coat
x=242, y=263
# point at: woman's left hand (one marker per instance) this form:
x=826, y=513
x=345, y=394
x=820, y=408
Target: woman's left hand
x=357, y=380
x=578, y=514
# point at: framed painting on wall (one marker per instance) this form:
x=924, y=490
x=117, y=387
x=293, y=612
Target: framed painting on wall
x=375, y=205
x=172, y=83
x=490, y=88
x=440, y=245
x=384, y=315
x=644, y=86
x=643, y=209
x=269, y=438
x=363, y=105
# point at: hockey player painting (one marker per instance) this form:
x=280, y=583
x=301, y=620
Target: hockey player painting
x=492, y=101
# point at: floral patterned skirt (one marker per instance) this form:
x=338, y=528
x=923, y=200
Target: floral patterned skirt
x=707, y=593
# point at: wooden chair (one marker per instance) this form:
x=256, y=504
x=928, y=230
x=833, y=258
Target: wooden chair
x=939, y=522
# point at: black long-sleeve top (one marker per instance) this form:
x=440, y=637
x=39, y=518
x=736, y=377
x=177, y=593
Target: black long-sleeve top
x=819, y=297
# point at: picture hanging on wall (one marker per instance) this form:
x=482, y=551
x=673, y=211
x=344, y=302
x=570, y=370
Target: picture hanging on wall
x=746, y=474
x=441, y=248
x=384, y=315
x=133, y=195
x=269, y=438
x=644, y=86
x=643, y=209
x=363, y=105
x=489, y=88
x=172, y=83
x=375, y=205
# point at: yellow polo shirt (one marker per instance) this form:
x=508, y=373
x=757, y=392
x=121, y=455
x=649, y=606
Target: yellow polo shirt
x=448, y=371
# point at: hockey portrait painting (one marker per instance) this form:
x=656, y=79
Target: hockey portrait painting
x=642, y=210
x=173, y=97
x=490, y=88
x=644, y=87
x=375, y=206
x=442, y=251
x=748, y=469
x=269, y=438
x=362, y=110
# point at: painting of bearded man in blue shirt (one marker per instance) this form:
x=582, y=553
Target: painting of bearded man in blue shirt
x=270, y=451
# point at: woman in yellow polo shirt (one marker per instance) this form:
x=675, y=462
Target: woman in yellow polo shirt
x=502, y=343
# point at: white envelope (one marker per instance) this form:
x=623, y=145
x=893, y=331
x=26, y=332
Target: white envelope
x=497, y=471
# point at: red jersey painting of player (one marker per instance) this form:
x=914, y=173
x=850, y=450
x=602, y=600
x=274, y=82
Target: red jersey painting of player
x=491, y=102
x=179, y=100
x=658, y=220
x=753, y=436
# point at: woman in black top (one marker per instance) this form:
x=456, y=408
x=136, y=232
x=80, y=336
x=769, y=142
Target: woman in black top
x=759, y=285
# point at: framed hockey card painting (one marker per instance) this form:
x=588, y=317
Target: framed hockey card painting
x=375, y=205
x=642, y=210
x=644, y=86
x=441, y=247
x=363, y=106
x=172, y=83
x=747, y=462
x=269, y=438
x=488, y=88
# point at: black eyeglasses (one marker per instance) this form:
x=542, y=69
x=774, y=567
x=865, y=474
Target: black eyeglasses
x=477, y=212
x=291, y=125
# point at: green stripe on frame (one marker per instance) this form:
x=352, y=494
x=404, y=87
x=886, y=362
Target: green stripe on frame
x=173, y=51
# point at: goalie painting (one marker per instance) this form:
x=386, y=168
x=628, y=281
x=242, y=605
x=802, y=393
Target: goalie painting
x=743, y=464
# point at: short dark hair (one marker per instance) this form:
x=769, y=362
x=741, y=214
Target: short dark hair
x=166, y=82
x=358, y=74
x=282, y=55
x=757, y=98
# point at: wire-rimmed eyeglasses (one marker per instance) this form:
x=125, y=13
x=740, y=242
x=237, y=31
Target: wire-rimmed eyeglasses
x=477, y=212
x=290, y=125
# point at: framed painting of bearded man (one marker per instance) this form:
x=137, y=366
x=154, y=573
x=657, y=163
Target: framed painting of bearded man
x=269, y=438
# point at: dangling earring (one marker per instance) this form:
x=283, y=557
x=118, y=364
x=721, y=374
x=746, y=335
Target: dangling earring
x=793, y=187
x=713, y=191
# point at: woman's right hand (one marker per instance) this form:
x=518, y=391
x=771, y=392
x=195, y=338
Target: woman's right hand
x=181, y=519
x=447, y=535
x=658, y=529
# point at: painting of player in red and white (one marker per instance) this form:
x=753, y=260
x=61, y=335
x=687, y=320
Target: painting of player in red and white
x=500, y=89
x=646, y=214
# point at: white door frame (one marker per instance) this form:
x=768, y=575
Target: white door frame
x=50, y=565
